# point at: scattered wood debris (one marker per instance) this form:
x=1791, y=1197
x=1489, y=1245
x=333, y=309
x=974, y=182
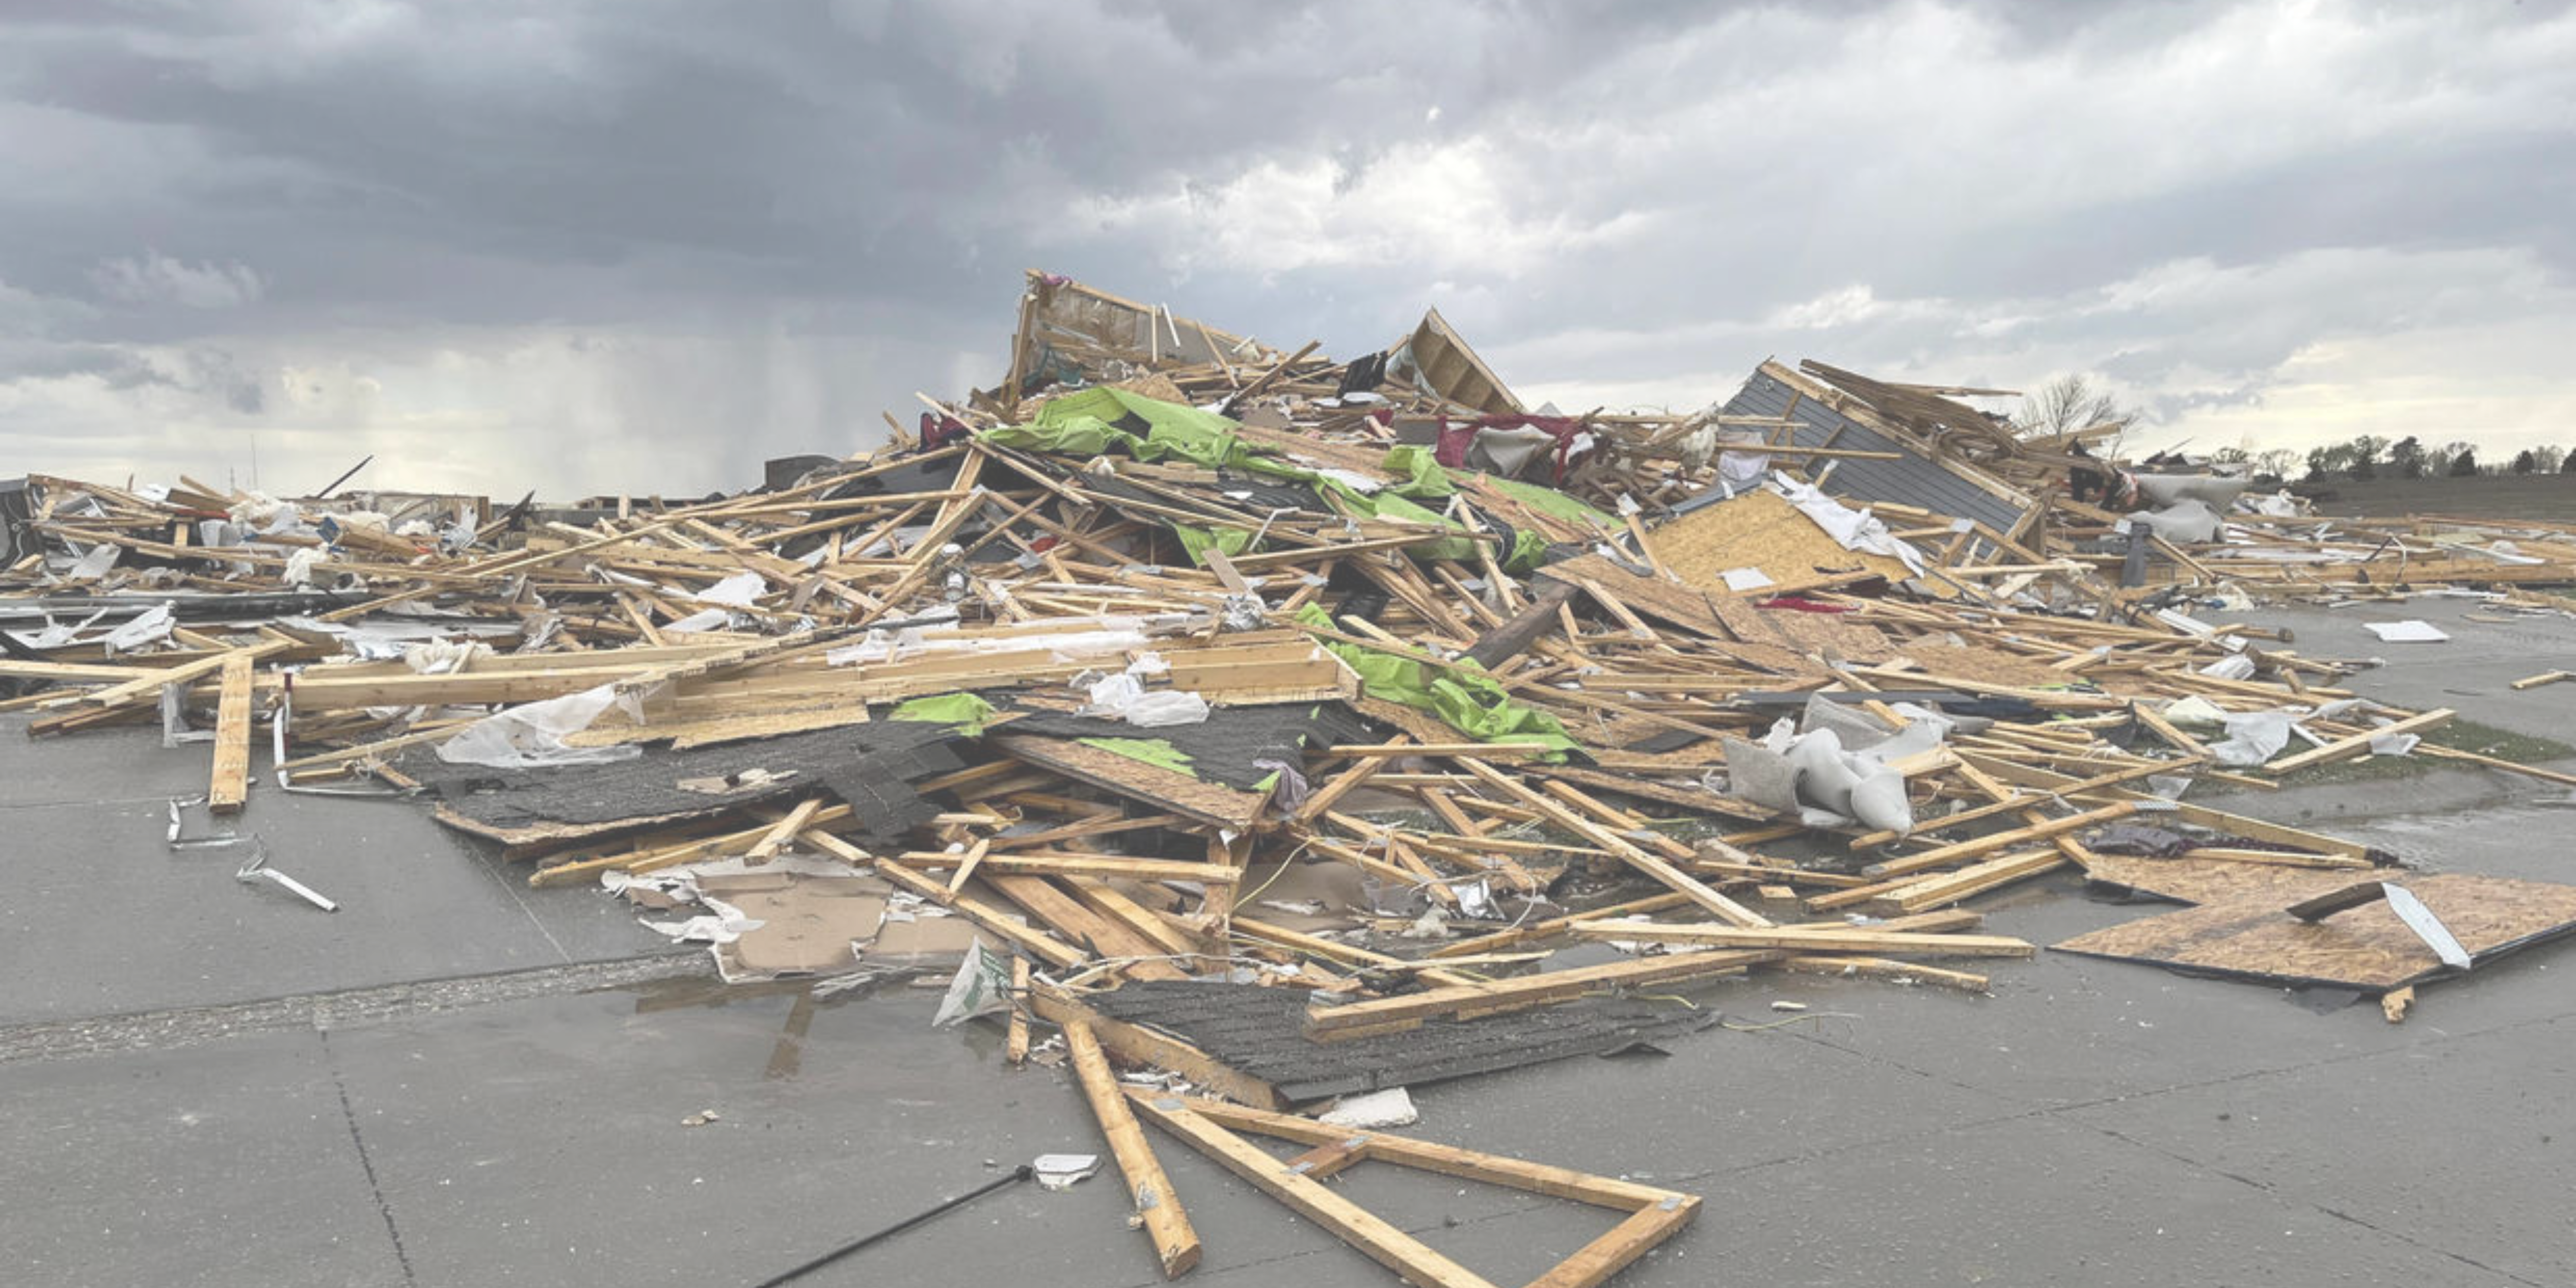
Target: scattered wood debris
x=1178, y=656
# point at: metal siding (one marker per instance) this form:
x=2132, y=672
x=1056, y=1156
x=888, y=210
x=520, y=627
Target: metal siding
x=1912, y=481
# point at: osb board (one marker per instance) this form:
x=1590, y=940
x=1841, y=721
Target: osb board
x=1979, y=662
x=1154, y=385
x=2212, y=881
x=1127, y=776
x=1422, y=725
x=1760, y=529
x=1650, y=596
x=2366, y=947
x=1829, y=632
x=709, y=731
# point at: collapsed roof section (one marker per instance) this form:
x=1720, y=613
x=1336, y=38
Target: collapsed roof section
x=1907, y=467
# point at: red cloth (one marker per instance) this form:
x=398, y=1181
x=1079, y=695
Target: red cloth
x=1454, y=440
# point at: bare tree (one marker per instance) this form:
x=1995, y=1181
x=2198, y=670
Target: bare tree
x=2069, y=403
x=2276, y=462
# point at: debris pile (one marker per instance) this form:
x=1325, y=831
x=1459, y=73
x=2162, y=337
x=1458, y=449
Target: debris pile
x=1245, y=713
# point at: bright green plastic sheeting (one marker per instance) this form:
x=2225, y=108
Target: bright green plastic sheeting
x=1421, y=471
x=1550, y=502
x=1196, y=541
x=1157, y=752
x=964, y=710
x=1467, y=700
x=1086, y=424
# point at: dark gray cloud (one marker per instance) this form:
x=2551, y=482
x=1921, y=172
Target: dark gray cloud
x=631, y=244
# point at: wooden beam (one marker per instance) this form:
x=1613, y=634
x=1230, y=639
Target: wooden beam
x=1830, y=939
x=1176, y=1245
x=1392, y=1014
x=2359, y=744
x=229, y=788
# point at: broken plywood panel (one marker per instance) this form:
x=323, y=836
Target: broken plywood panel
x=2213, y=881
x=2366, y=947
x=1760, y=530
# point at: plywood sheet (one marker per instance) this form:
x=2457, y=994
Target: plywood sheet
x=1760, y=529
x=2208, y=881
x=2366, y=948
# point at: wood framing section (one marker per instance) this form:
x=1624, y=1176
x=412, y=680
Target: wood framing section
x=1450, y=369
x=1214, y=1128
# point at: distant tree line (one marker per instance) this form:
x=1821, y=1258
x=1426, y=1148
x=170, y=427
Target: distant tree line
x=2372, y=457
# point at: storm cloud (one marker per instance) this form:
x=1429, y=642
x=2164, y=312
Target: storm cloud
x=641, y=246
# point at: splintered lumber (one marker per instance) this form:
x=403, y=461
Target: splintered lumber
x=1007, y=926
x=2359, y=744
x=2545, y=677
x=1947, y=854
x=1835, y=939
x=1883, y=968
x=1654, y=866
x=1148, y=1048
x=1394, y=1014
x=1974, y=879
x=230, y=786
x=1543, y=929
x=1211, y=1127
x=1176, y=1245
x=1523, y=628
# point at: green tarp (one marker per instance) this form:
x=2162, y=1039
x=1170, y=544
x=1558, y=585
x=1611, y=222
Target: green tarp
x=967, y=712
x=1466, y=700
x=1088, y=423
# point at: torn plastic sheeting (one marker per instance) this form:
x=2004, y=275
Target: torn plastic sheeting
x=740, y=590
x=1423, y=476
x=2187, y=521
x=981, y=986
x=703, y=620
x=148, y=627
x=1196, y=541
x=1852, y=529
x=299, y=566
x=721, y=924
x=2253, y=737
x=1467, y=701
x=1123, y=696
x=531, y=736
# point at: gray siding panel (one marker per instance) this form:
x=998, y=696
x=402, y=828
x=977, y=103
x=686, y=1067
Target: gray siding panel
x=1911, y=481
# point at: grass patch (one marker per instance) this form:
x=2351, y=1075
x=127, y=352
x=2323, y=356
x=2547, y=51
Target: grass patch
x=2459, y=735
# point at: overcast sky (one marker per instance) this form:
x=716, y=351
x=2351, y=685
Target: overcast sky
x=589, y=247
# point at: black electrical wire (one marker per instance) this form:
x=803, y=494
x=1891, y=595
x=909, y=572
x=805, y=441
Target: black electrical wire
x=1022, y=1173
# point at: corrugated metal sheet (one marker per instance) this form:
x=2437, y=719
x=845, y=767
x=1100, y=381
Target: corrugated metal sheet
x=1915, y=480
